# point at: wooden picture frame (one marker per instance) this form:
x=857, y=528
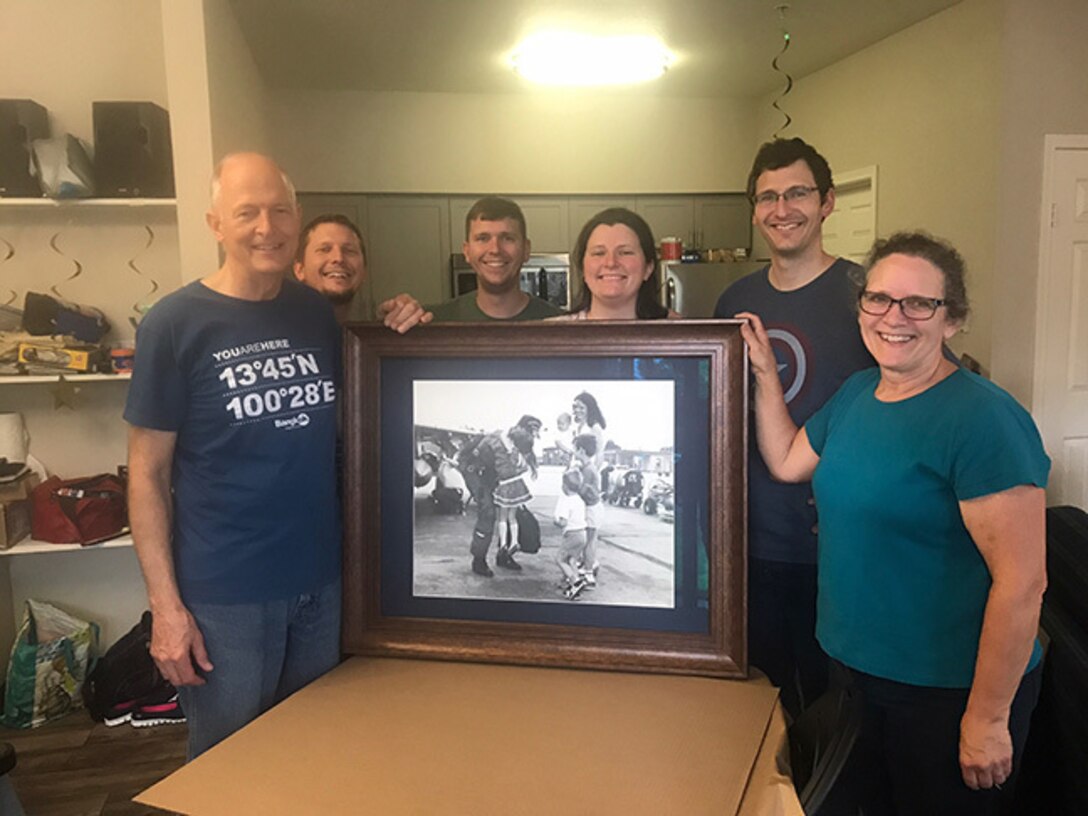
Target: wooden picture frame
x=704, y=368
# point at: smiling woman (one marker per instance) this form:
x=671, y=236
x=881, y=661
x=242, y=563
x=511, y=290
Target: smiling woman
x=616, y=257
x=931, y=561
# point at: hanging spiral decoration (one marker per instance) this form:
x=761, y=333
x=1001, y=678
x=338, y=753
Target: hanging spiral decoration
x=77, y=264
x=132, y=265
x=8, y=255
x=789, y=79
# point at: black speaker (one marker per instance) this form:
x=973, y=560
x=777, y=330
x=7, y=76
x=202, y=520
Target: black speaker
x=21, y=121
x=132, y=152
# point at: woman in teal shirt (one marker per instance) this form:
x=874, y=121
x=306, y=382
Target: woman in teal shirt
x=929, y=481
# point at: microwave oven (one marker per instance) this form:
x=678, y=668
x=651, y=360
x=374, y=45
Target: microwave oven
x=546, y=276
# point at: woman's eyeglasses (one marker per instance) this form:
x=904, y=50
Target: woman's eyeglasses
x=914, y=307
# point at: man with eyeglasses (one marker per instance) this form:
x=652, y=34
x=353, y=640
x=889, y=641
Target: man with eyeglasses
x=805, y=298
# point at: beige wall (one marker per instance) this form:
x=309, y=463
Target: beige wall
x=185, y=55
x=921, y=105
x=1044, y=90
x=64, y=54
x=236, y=91
x=574, y=142
x=106, y=51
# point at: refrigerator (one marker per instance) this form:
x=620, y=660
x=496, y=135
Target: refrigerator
x=693, y=289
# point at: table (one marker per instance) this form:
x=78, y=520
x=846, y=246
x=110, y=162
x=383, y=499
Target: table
x=391, y=736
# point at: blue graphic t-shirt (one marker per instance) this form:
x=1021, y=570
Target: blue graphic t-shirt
x=249, y=387
x=815, y=336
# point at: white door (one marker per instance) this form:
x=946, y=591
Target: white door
x=1060, y=396
x=850, y=230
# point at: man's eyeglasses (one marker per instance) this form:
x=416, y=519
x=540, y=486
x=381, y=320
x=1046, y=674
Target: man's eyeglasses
x=794, y=195
x=914, y=307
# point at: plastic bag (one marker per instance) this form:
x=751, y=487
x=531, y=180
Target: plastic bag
x=50, y=659
x=64, y=168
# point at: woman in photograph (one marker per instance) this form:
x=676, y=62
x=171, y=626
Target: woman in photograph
x=588, y=420
x=930, y=485
x=616, y=258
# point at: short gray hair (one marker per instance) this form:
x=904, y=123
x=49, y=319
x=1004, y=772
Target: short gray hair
x=217, y=175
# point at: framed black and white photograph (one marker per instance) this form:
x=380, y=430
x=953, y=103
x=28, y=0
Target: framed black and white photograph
x=563, y=494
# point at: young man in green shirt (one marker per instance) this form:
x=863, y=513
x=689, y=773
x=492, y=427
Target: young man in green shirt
x=496, y=247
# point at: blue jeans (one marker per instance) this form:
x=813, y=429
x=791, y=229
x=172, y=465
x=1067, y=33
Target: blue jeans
x=262, y=653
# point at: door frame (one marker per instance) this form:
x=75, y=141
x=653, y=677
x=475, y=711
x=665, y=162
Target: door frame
x=1052, y=143
x=862, y=177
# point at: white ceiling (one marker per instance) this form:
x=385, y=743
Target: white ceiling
x=724, y=47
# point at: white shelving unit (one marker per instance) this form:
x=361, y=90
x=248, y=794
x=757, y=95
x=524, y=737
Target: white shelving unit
x=58, y=203
x=31, y=547
x=73, y=377
x=104, y=584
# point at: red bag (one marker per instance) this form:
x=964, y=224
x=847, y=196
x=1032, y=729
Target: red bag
x=78, y=511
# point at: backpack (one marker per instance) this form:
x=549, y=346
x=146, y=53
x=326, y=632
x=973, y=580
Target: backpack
x=125, y=672
x=528, y=531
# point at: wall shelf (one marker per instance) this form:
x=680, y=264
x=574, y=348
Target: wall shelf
x=21, y=379
x=29, y=546
x=59, y=203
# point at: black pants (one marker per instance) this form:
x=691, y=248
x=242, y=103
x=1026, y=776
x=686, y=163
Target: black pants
x=485, y=518
x=782, y=630
x=906, y=759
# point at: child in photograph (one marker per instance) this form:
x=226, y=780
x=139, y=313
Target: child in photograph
x=585, y=453
x=570, y=514
x=511, y=491
x=562, y=423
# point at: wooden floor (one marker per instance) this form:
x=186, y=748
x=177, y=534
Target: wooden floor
x=77, y=767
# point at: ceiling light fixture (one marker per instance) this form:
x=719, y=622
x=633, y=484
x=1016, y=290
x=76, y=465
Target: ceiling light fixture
x=561, y=58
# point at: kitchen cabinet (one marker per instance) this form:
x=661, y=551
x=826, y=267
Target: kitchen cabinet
x=409, y=246
x=669, y=217
x=546, y=221
x=582, y=208
x=700, y=221
x=722, y=222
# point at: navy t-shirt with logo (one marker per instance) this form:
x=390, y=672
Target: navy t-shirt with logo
x=815, y=337
x=249, y=387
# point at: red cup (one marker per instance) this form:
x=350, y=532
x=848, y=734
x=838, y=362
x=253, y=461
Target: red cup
x=671, y=249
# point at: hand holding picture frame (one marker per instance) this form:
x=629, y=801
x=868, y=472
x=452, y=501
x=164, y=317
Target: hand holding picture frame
x=450, y=428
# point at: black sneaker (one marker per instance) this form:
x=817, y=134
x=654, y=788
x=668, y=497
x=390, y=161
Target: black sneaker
x=480, y=567
x=121, y=713
x=167, y=713
x=506, y=561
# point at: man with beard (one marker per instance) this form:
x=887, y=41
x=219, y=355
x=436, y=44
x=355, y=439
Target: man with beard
x=332, y=259
x=806, y=299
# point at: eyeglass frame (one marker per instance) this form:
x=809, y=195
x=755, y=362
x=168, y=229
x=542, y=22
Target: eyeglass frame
x=935, y=303
x=796, y=193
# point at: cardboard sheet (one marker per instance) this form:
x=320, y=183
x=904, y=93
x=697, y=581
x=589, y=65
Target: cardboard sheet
x=423, y=737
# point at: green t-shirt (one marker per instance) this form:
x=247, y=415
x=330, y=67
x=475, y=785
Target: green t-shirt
x=463, y=309
x=902, y=586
